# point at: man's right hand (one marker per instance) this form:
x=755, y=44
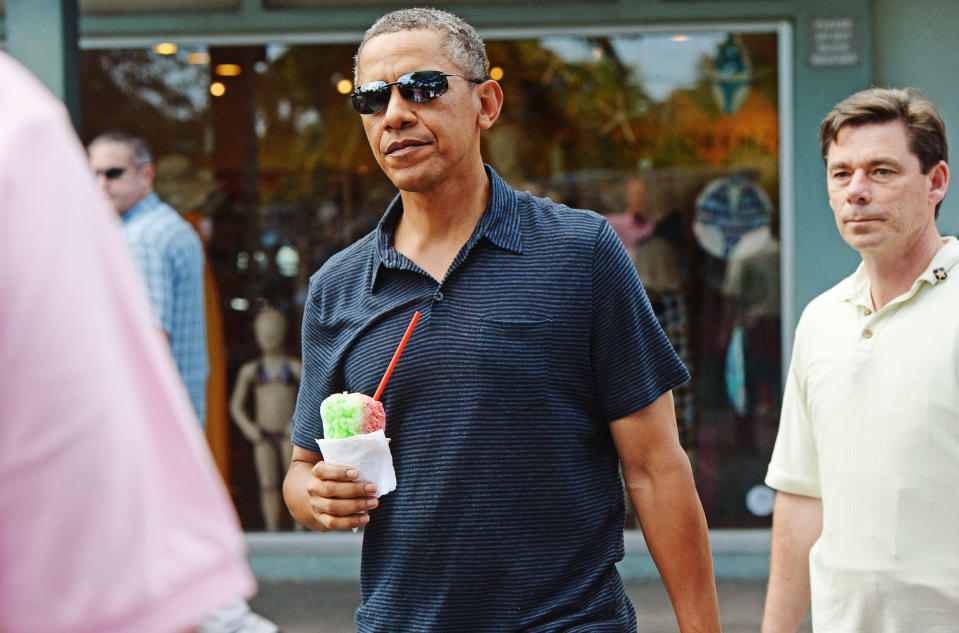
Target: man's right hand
x=326, y=497
x=337, y=500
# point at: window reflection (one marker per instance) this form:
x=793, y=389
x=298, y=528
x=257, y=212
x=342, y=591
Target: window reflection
x=673, y=136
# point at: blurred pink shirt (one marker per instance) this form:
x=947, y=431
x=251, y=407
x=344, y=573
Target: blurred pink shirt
x=112, y=515
x=629, y=229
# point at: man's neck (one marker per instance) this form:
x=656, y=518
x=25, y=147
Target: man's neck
x=435, y=225
x=136, y=204
x=892, y=274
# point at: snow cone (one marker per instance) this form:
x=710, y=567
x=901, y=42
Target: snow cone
x=354, y=430
x=353, y=435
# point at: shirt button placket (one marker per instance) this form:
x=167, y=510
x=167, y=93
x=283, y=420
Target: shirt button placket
x=867, y=334
x=868, y=328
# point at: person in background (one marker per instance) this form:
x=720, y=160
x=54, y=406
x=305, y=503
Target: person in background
x=112, y=516
x=169, y=255
x=865, y=461
x=167, y=251
x=536, y=369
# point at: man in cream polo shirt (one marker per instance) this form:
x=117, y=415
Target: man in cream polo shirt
x=866, y=520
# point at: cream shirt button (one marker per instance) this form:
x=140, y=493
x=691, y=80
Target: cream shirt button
x=868, y=311
x=867, y=334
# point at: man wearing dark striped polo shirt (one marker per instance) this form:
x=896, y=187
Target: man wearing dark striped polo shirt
x=536, y=369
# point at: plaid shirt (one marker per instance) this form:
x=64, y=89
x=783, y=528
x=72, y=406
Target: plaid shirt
x=169, y=255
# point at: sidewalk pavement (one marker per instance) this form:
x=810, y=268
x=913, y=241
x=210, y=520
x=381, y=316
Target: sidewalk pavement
x=326, y=606
x=309, y=582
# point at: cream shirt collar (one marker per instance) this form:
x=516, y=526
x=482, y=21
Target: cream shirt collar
x=856, y=287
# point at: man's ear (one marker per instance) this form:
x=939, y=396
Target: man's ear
x=938, y=182
x=491, y=103
x=150, y=171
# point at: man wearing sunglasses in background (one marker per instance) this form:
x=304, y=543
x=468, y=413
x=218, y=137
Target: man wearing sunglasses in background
x=167, y=251
x=536, y=368
x=169, y=254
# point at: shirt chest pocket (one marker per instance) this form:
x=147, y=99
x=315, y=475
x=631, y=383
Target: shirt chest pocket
x=512, y=363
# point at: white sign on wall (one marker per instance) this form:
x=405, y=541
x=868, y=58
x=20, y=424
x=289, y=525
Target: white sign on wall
x=833, y=41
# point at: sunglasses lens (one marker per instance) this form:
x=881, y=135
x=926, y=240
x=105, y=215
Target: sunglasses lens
x=422, y=86
x=371, y=98
x=416, y=87
x=114, y=172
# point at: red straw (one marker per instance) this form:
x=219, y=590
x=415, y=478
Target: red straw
x=396, y=356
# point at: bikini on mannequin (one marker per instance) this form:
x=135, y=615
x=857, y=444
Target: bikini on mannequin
x=273, y=379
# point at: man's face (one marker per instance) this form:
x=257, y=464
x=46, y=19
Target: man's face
x=132, y=185
x=881, y=200
x=419, y=145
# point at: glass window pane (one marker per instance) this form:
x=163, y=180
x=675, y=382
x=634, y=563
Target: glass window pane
x=673, y=136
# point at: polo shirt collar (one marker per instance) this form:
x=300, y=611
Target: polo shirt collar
x=945, y=263
x=499, y=224
x=143, y=206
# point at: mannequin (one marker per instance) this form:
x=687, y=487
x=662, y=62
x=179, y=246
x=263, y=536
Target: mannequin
x=274, y=379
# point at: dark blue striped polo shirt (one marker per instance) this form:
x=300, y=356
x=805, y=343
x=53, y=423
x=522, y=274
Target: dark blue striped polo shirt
x=508, y=514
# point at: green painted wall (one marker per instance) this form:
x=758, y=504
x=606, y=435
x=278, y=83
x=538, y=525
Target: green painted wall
x=917, y=44
x=42, y=34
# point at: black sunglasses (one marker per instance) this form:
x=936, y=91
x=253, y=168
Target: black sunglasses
x=112, y=173
x=420, y=86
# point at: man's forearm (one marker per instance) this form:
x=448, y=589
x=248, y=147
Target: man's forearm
x=797, y=523
x=674, y=526
x=787, y=597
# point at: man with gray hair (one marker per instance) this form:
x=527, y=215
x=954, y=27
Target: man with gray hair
x=169, y=254
x=537, y=370
x=167, y=251
x=866, y=514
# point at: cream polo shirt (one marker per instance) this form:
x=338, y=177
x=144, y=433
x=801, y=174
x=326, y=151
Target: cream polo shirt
x=870, y=423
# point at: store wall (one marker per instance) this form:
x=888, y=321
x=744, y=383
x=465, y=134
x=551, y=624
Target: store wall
x=820, y=257
x=917, y=45
x=43, y=34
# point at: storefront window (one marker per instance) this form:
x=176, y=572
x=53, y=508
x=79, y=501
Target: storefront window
x=672, y=135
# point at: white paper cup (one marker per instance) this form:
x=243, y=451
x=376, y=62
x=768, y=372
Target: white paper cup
x=368, y=453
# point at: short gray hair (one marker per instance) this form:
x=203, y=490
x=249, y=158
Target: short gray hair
x=463, y=45
x=138, y=146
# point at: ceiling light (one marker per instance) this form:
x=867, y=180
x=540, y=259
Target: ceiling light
x=228, y=70
x=165, y=48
